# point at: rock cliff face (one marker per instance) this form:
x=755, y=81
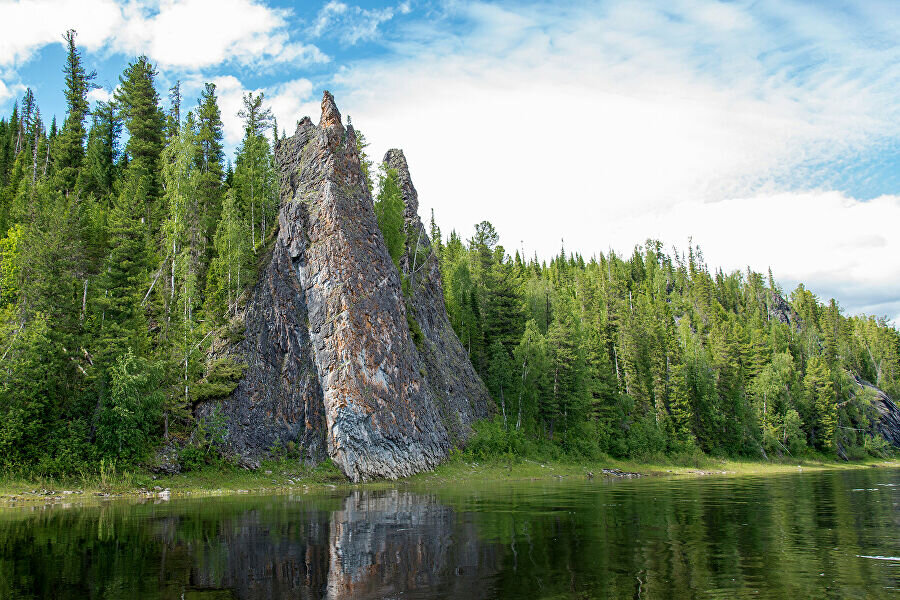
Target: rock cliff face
x=331, y=361
x=449, y=373
x=886, y=415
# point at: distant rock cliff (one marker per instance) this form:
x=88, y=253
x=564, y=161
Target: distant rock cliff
x=331, y=362
x=885, y=417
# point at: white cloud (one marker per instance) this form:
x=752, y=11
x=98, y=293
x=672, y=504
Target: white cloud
x=243, y=31
x=100, y=95
x=289, y=101
x=28, y=25
x=186, y=34
x=353, y=24
x=592, y=124
x=7, y=92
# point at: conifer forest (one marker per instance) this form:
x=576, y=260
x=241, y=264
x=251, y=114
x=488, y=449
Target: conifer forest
x=130, y=242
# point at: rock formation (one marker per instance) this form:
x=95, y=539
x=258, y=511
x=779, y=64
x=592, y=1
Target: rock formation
x=885, y=417
x=331, y=363
x=448, y=371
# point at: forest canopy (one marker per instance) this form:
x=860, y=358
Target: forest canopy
x=128, y=242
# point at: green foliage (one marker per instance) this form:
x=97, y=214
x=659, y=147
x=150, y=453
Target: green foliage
x=653, y=354
x=364, y=161
x=118, y=318
x=26, y=395
x=254, y=175
x=69, y=151
x=119, y=268
x=206, y=443
x=9, y=265
x=389, y=212
x=129, y=415
x=221, y=380
x=138, y=100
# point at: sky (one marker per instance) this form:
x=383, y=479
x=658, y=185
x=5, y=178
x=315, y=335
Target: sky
x=766, y=132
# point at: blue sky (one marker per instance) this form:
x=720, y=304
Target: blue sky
x=766, y=131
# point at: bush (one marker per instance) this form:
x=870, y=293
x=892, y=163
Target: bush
x=646, y=438
x=490, y=439
x=131, y=411
x=878, y=447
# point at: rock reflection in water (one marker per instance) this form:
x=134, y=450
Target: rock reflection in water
x=260, y=558
x=390, y=543
x=809, y=535
x=378, y=544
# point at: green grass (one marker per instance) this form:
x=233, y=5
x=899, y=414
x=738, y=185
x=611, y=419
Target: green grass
x=289, y=475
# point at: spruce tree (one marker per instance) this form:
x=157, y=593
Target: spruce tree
x=821, y=404
x=145, y=122
x=254, y=176
x=209, y=157
x=119, y=319
x=69, y=151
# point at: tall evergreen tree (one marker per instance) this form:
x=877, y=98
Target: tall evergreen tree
x=254, y=171
x=145, y=122
x=69, y=152
x=211, y=172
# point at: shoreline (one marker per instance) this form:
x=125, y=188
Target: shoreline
x=285, y=476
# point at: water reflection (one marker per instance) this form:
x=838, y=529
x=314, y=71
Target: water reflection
x=810, y=535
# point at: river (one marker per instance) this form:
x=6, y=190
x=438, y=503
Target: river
x=832, y=534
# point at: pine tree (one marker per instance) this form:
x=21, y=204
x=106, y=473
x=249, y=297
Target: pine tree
x=366, y=163
x=821, y=404
x=97, y=178
x=209, y=157
x=119, y=318
x=500, y=378
x=567, y=401
x=145, y=122
x=69, y=151
x=254, y=171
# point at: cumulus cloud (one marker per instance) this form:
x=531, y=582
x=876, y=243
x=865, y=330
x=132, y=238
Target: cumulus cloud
x=100, y=95
x=588, y=123
x=246, y=32
x=293, y=100
x=28, y=25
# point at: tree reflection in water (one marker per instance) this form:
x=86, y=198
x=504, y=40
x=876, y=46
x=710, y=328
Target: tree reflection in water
x=799, y=535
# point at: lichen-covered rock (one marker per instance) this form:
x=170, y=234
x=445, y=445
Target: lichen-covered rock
x=331, y=363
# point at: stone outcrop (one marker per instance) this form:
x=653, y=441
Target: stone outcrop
x=331, y=362
x=449, y=373
x=885, y=416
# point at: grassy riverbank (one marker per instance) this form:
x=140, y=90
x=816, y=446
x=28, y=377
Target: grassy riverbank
x=287, y=475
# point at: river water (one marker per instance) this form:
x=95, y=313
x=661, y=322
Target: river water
x=807, y=535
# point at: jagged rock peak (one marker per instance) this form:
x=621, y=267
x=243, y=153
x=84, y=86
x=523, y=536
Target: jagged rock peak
x=331, y=116
x=332, y=362
x=303, y=124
